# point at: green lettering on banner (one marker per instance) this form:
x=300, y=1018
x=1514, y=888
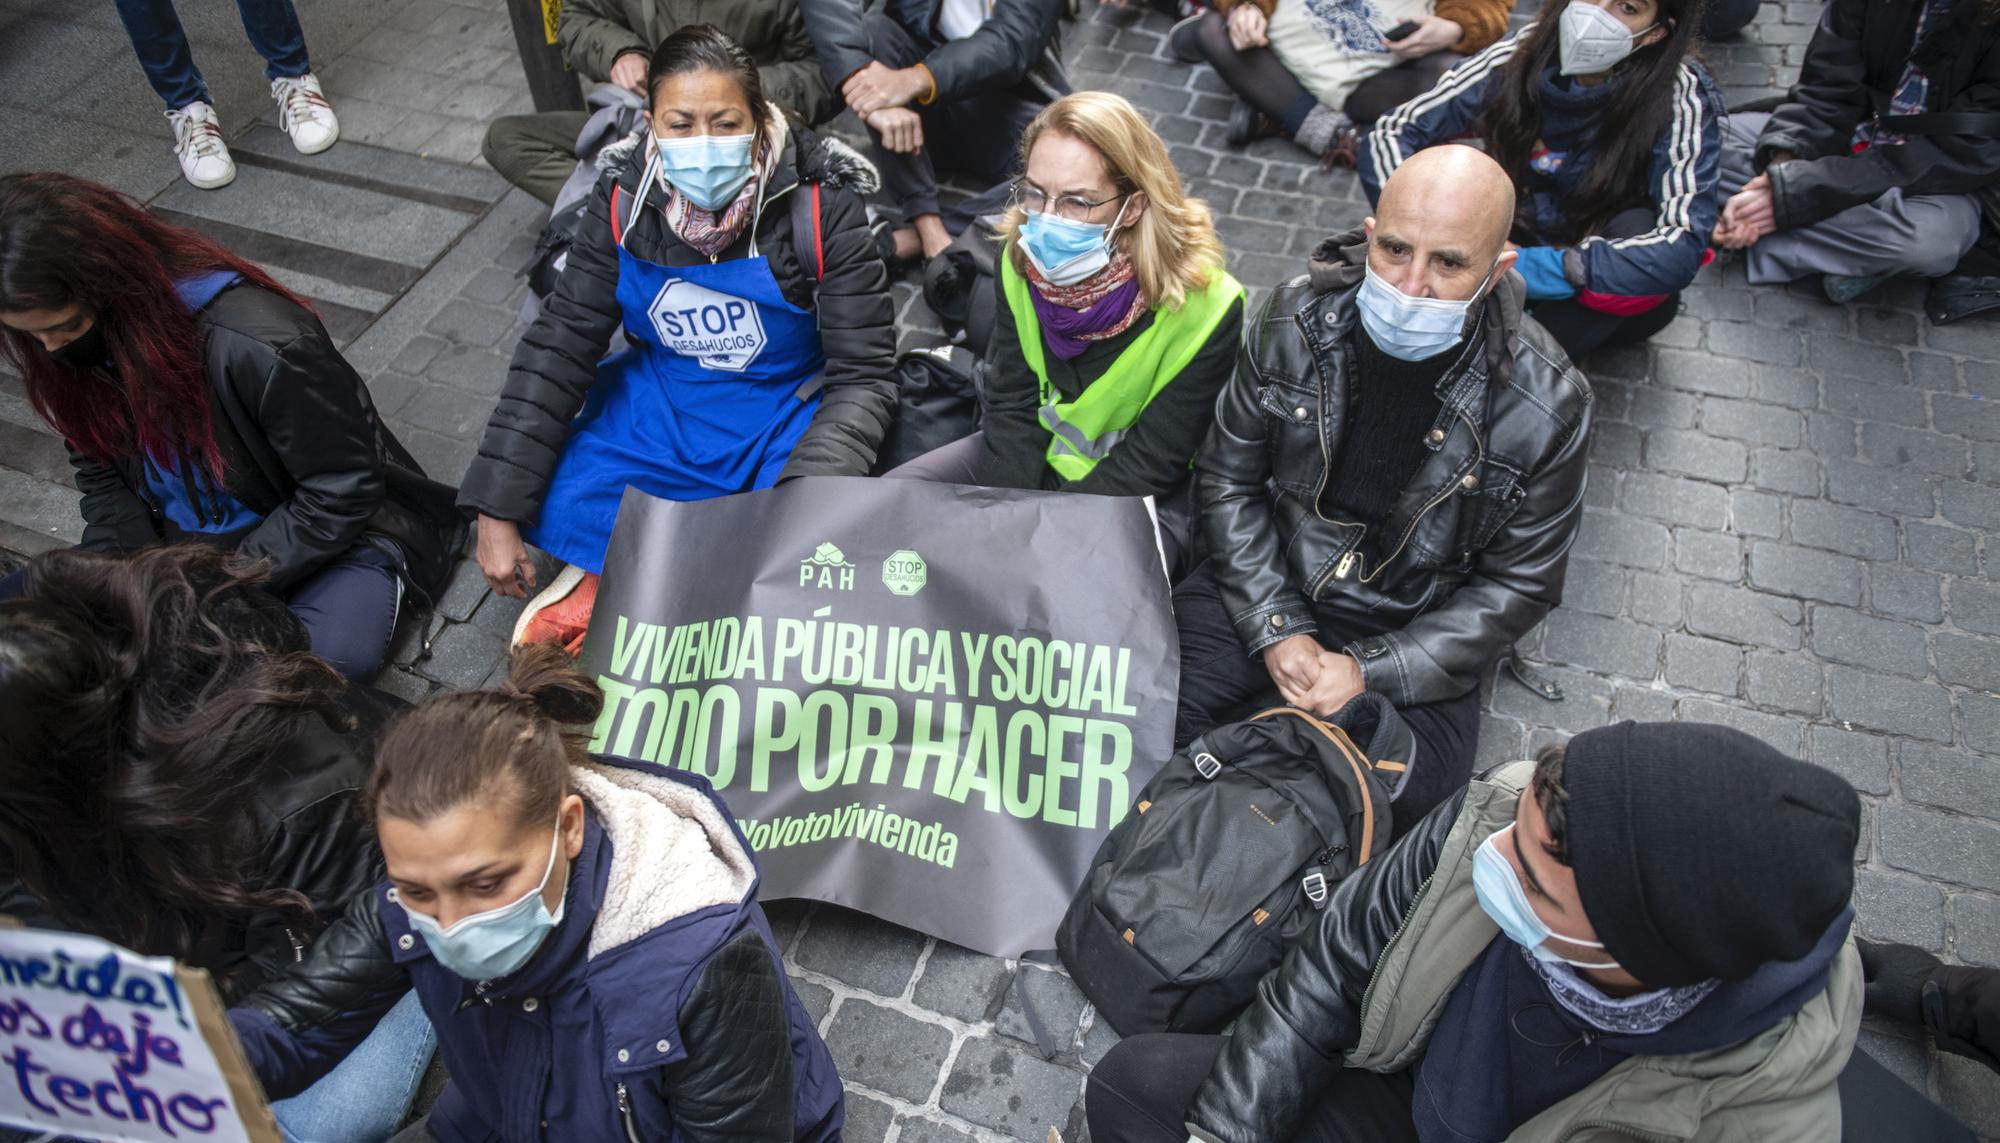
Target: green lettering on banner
x=820, y=768
x=975, y=653
x=770, y=739
x=750, y=664
x=876, y=743
x=926, y=746
x=1022, y=805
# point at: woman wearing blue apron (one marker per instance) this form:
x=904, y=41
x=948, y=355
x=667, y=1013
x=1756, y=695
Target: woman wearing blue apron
x=733, y=249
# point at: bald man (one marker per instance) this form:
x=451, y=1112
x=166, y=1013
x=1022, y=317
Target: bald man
x=1394, y=479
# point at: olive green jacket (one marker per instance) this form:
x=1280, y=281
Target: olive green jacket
x=594, y=33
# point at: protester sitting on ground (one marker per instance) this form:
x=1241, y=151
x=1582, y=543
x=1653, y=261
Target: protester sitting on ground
x=605, y=917
x=760, y=351
x=273, y=27
x=182, y=778
x=1315, y=70
x=1607, y=125
x=1646, y=934
x=201, y=400
x=1119, y=324
x=611, y=41
x=941, y=85
x=1878, y=162
x=1395, y=476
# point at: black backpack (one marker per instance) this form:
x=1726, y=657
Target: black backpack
x=1234, y=848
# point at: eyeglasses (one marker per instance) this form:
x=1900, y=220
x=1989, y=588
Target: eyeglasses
x=1071, y=207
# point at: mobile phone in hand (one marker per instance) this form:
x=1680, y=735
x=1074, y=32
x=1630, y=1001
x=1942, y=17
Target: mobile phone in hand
x=1401, y=31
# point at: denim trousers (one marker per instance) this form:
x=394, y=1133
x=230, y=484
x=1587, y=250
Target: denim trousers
x=162, y=45
x=363, y=1100
x=367, y=1097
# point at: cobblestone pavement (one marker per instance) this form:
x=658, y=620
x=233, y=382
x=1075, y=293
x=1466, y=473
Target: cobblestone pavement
x=1792, y=522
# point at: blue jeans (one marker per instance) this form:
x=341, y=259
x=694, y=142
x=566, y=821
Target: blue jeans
x=367, y=1097
x=162, y=45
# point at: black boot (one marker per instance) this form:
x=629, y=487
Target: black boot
x=1957, y=296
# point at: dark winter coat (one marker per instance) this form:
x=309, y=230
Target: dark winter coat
x=594, y=33
x=657, y=1010
x=556, y=362
x=301, y=446
x=1476, y=545
x=1018, y=48
x=1852, y=67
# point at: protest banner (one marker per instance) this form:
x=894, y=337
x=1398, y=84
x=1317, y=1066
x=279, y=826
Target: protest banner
x=102, y=1043
x=925, y=701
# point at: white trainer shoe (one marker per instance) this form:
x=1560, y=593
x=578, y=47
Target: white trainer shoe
x=198, y=142
x=304, y=113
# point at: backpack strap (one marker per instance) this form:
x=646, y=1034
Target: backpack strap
x=617, y=216
x=805, y=221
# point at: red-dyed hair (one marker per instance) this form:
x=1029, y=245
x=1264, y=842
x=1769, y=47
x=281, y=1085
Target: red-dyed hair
x=67, y=241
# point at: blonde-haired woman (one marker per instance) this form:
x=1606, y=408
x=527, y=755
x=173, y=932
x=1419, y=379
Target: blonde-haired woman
x=1117, y=323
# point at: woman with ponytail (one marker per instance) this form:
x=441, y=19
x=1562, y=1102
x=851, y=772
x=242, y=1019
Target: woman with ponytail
x=584, y=934
x=183, y=778
x=203, y=401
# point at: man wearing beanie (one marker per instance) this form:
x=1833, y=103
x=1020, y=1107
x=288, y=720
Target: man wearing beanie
x=1643, y=935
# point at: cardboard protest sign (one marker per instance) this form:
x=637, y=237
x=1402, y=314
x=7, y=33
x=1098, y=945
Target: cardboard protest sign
x=102, y=1043
x=925, y=701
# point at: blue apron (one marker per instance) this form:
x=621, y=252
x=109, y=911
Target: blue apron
x=721, y=382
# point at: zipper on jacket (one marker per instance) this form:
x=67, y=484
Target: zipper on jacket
x=1478, y=459
x=1625, y=1129
x=625, y=1113
x=298, y=947
x=1368, y=993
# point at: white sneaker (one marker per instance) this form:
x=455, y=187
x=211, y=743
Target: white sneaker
x=198, y=141
x=304, y=114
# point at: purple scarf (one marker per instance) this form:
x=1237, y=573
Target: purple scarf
x=1064, y=329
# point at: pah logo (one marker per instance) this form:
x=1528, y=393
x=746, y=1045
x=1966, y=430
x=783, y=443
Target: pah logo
x=720, y=331
x=827, y=569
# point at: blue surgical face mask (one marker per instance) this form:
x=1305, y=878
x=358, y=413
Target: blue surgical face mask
x=1408, y=328
x=1501, y=895
x=496, y=943
x=708, y=169
x=1066, y=252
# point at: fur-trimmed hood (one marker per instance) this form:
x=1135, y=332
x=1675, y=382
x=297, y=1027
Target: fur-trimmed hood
x=673, y=852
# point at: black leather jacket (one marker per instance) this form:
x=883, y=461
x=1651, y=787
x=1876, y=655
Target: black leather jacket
x=1270, y=1073
x=1474, y=549
x=301, y=446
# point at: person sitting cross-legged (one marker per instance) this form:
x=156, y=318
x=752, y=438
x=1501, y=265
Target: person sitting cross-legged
x=1609, y=125
x=1394, y=479
x=1883, y=159
x=941, y=85
x=1646, y=934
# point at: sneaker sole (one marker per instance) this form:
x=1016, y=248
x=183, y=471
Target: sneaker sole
x=557, y=591
x=304, y=150
x=209, y=184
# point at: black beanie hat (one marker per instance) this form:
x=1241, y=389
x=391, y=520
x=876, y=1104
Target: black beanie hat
x=1701, y=852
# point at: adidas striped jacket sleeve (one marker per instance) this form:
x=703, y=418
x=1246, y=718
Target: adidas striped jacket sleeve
x=1447, y=110
x=1685, y=172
